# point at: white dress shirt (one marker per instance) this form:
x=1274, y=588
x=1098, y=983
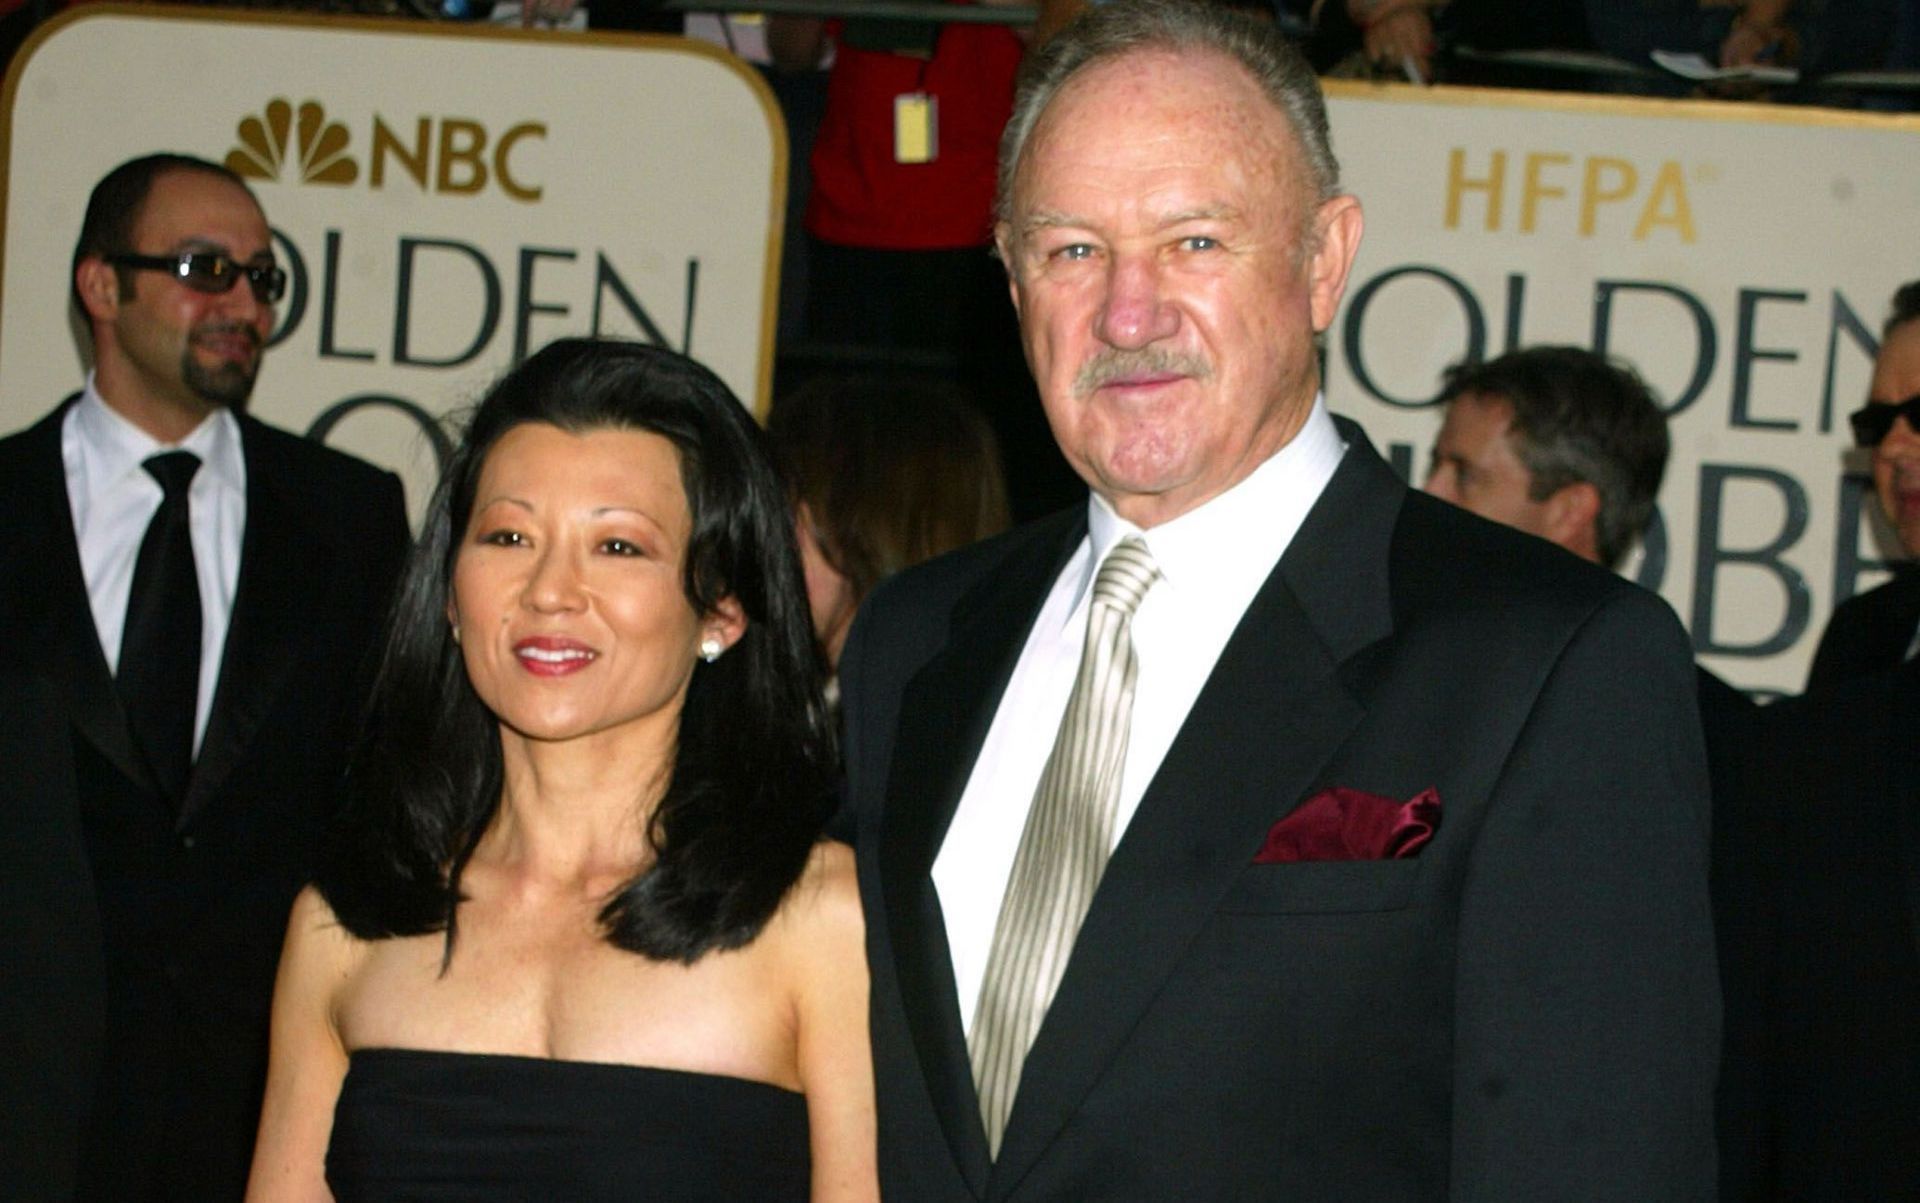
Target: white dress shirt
x=114, y=499
x=1213, y=560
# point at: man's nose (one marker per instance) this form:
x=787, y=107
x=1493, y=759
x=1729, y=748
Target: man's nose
x=238, y=304
x=1136, y=311
x=1902, y=441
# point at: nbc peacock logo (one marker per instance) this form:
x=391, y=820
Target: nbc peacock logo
x=282, y=142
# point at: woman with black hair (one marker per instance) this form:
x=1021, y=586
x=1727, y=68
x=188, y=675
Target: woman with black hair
x=579, y=937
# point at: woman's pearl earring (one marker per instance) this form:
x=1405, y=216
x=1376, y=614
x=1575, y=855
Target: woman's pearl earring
x=710, y=648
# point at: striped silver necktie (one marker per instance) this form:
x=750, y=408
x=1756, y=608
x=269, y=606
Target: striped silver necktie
x=1066, y=841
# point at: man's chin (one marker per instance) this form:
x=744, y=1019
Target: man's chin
x=228, y=384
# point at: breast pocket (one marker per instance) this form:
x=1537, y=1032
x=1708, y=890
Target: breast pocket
x=1323, y=888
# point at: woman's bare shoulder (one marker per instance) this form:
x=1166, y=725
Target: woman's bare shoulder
x=825, y=903
x=319, y=948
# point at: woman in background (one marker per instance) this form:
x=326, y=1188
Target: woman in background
x=580, y=938
x=883, y=472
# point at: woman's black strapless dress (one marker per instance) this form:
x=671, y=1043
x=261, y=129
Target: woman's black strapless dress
x=430, y=1126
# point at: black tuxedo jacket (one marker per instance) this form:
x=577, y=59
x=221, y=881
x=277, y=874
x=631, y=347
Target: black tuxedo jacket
x=1526, y=1011
x=1869, y=632
x=170, y=924
x=1823, y=974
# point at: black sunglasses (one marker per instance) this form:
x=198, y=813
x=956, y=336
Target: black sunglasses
x=1872, y=421
x=213, y=272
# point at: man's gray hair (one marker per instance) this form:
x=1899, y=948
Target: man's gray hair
x=1110, y=31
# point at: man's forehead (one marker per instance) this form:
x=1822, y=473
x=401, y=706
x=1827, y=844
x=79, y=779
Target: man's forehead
x=1196, y=104
x=1896, y=370
x=1483, y=417
x=187, y=206
x=1159, y=84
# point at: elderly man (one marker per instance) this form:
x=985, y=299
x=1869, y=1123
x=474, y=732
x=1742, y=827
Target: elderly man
x=1881, y=628
x=195, y=591
x=1262, y=829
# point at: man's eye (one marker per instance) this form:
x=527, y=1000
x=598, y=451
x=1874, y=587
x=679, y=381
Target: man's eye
x=1074, y=250
x=1201, y=242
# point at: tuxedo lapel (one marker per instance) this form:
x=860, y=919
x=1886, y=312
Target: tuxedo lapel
x=275, y=590
x=945, y=714
x=55, y=616
x=1273, y=712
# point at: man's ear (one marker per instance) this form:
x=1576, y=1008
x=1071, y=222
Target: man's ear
x=1573, y=516
x=1337, y=227
x=99, y=287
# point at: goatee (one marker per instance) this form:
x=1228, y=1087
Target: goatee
x=226, y=382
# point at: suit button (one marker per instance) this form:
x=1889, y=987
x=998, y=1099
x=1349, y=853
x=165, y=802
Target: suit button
x=187, y=842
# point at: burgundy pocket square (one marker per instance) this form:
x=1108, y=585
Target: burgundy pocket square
x=1349, y=824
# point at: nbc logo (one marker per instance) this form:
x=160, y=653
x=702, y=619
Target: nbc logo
x=449, y=156
x=319, y=158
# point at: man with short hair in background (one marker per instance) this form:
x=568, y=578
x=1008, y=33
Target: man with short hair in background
x=1554, y=441
x=198, y=593
x=1260, y=829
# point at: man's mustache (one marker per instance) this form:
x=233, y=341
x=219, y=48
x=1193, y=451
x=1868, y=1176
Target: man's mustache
x=1120, y=363
x=246, y=330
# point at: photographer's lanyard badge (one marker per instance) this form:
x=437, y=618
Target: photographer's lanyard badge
x=916, y=114
x=916, y=127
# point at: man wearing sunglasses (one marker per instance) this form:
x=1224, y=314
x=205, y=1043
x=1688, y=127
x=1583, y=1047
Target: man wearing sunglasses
x=198, y=593
x=1821, y=1092
x=1880, y=629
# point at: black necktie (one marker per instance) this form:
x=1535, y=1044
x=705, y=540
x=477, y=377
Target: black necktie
x=159, y=677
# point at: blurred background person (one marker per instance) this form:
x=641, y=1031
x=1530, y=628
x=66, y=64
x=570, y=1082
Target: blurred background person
x=1880, y=628
x=883, y=472
x=899, y=217
x=580, y=938
x=1554, y=441
x=1400, y=38
x=1820, y=1095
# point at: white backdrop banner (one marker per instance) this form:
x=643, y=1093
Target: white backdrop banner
x=1742, y=257
x=446, y=199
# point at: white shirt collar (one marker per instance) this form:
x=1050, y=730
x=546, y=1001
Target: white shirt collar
x=117, y=448
x=1257, y=517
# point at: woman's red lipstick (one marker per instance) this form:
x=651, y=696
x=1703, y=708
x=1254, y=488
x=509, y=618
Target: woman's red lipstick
x=551, y=656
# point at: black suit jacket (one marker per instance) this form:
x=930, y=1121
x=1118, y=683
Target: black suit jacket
x=1823, y=973
x=1528, y=1010
x=1869, y=632
x=187, y=909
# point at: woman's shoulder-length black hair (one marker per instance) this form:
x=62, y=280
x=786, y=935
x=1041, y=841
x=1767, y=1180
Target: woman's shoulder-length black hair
x=750, y=787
